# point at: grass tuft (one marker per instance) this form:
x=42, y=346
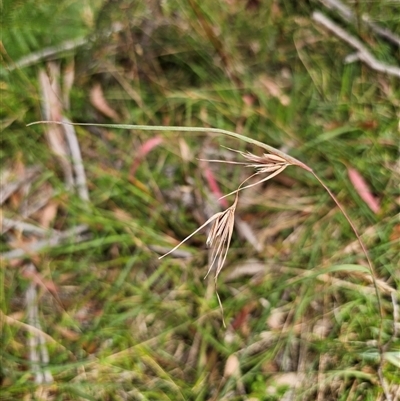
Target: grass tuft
x=88, y=308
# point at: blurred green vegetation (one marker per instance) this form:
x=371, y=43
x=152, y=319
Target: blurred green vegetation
x=127, y=326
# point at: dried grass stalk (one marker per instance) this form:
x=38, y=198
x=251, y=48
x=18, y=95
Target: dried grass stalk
x=261, y=163
x=220, y=235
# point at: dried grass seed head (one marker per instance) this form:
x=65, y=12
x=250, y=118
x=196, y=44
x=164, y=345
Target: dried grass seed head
x=265, y=163
x=268, y=163
x=218, y=239
x=220, y=235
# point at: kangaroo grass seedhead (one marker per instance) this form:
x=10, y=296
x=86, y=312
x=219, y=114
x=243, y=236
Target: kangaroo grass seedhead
x=221, y=231
x=219, y=238
x=265, y=164
x=266, y=161
x=272, y=163
x=220, y=235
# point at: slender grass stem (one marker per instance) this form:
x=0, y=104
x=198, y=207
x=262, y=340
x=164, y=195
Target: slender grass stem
x=363, y=247
x=289, y=159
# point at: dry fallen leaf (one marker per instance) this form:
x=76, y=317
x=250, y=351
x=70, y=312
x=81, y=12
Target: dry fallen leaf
x=186, y=153
x=48, y=214
x=276, y=319
x=19, y=170
x=362, y=188
x=52, y=111
x=142, y=152
x=68, y=81
x=241, y=321
x=287, y=379
x=67, y=333
x=100, y=103
x=38, y=279
x=395, y=234
x=213, y=184
x=232, y=366
x=274, y=90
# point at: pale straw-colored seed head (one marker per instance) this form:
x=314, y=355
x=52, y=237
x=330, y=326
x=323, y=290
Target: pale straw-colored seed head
x=265, y=159
x=265, y=164
x=219, y=237
x=218, y=240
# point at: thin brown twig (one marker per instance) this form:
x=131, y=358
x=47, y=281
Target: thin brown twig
x=396, y=320
x=384, y=384
x=38, y=352
x=30, y=329
x=76, y=158
x=56, y=51
x=52, y=109
x=8, y=224
x=10, y=185
x=349, y=16
x=362, y=52
x=75, y=233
